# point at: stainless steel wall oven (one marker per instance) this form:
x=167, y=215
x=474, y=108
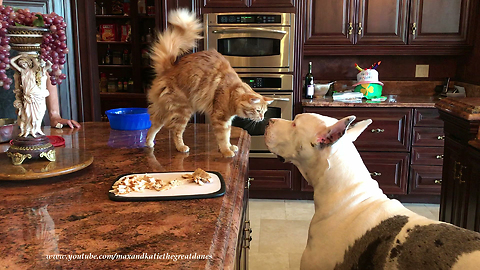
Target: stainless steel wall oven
x=252, y=42
x=259, y=46
x=276, y=86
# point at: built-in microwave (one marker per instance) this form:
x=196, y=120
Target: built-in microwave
x=252, y=42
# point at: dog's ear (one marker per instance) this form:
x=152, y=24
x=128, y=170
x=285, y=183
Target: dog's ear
x=357, y=129
x=335, y=132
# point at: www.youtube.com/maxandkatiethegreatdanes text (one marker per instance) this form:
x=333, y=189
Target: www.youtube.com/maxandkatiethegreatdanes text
x=143, y=256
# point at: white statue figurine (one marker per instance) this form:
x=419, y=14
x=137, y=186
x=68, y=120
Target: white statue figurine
x=30, y=92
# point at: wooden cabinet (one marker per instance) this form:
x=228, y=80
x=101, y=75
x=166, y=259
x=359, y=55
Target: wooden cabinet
x=247, y=3
x=124, y=33
x=270, y=177
x=356, y=21
x=427, y=153
x=244, y=235
x=459, y=203
x=402, y=149
x=392, y=27
x=384, y=145
x=432, y=21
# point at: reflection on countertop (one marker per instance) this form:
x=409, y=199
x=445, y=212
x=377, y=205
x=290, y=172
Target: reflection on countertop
x=391, y=101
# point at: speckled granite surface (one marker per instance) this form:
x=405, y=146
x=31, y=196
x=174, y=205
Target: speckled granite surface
x=466, y=108
x=391, y=101
x=72, y=215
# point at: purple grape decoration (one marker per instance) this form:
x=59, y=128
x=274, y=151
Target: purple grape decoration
x=53, y=48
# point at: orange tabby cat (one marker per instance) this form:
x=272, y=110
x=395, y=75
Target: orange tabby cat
x=200, y=82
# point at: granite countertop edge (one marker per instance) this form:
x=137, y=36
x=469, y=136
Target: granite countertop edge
x=391, y=101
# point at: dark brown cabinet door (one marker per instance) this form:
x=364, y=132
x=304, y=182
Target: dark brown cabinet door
x=390, y=170
x=357, y=22
x=270, y=3
x=331, y=22
x=225, y=3
x=382, y=22
x=433, y=21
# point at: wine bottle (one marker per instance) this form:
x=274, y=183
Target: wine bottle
x=108, y=56
x=309, y=85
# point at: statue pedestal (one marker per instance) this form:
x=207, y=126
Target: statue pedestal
x=31, y=148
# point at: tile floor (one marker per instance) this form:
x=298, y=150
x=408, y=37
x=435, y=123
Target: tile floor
x=280, y=231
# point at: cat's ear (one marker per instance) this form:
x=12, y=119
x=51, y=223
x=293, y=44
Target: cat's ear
x=268, y=100
x=252, y=99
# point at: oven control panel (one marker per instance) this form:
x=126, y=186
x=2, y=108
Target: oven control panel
x=254, y=18
x=262, y=82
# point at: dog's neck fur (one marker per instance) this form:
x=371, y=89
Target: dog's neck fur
x=335, y=175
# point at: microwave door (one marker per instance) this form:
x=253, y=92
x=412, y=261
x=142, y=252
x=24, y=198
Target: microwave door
x=252, y=48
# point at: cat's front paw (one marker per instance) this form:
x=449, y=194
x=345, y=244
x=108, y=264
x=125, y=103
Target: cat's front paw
x=234, y=148
x=228, y=153
x=149, y=143
x=183, y=148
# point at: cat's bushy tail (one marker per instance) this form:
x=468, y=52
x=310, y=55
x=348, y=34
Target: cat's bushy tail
x=180, y=37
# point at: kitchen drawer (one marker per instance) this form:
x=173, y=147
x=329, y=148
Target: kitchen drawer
x=390, y=170
x=270, y=179
x=390, y=130
x=270, y=174
x=427, y=156
x=428, y=136
x=427, y=118
x=426, y=180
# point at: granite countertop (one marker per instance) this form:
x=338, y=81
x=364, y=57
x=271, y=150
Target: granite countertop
x=391, y=101
x=466, y=108
x=72, y=214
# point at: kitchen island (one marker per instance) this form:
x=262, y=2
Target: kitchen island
x=72, y=215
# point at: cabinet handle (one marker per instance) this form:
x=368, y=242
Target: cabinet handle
x=360, y=28
x=378, y=130
x=438, y=181
x=248, y=182
x=414, y=28
x=439, y=156
x=375, y=174
x=350, y=28
x=441, y=137
x=458, y=174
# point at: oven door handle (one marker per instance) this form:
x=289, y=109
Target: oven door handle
x=281, y=99
x=249, y=30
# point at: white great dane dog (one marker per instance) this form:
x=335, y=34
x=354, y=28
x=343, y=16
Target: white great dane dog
x=355, y=226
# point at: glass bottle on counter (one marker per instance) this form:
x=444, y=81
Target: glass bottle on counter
x=309, y=85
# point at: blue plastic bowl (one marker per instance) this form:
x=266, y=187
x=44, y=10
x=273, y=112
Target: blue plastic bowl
x=129, y=118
